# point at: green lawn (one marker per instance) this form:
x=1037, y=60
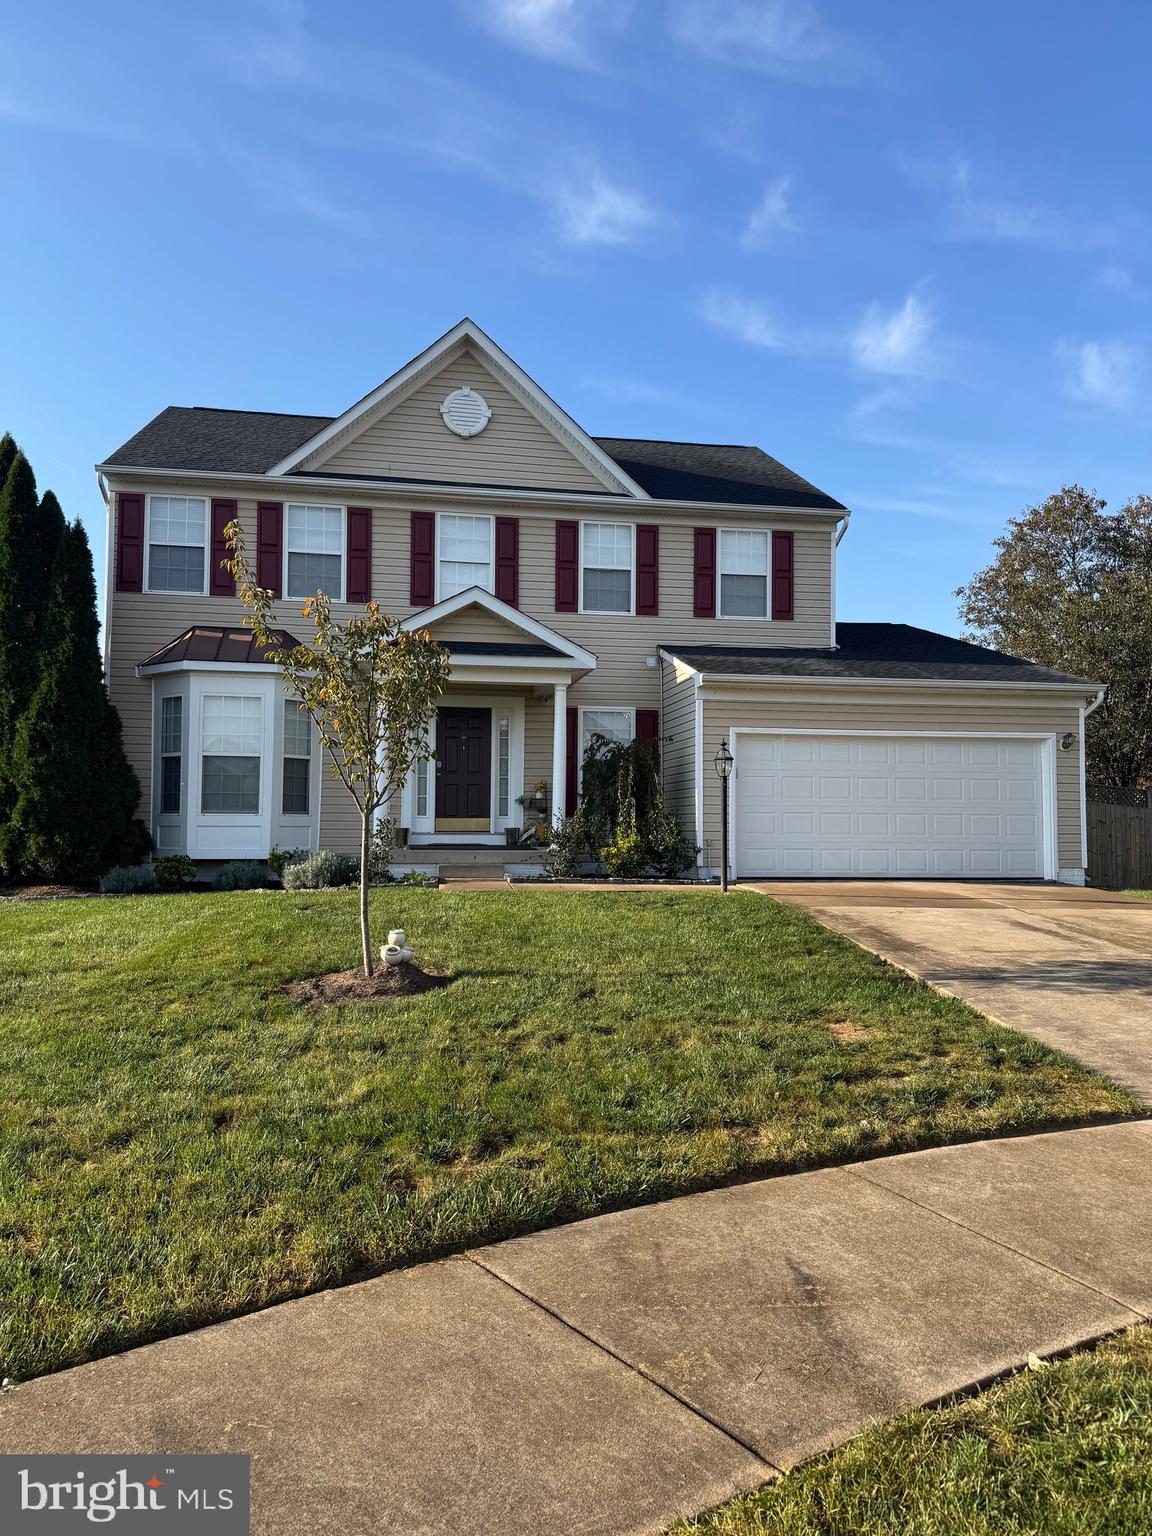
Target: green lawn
x=179, y=1142
x=1065, y=1450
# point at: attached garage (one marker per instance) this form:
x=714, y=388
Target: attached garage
x=897, y=806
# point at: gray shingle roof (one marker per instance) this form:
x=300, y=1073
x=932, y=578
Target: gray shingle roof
x=883, y=651
x=250, y=442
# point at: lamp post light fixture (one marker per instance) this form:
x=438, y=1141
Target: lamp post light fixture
x=723, y=764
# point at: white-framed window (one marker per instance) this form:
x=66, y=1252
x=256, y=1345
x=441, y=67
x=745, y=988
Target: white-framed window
x=616, y=724
x=296, y=789
x=177, y=543
x=744, y=555
x=607, y=568
x=232, y=734
x=503, y=766
x=464, y=553
x=171, y=753
x=313, y=550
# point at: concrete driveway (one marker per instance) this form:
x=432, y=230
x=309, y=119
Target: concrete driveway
x=1069, y=965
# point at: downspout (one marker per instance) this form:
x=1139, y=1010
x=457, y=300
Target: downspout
x=105, y=627
x=842, y=526
x=841, y=530
x=1096, y=702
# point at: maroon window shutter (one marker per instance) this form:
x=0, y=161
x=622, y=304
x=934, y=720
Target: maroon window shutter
x=647, y=570
x=423, y=560
x=647, y=725
x=129, y=543
x=221, y=583
x=571, y=757
x=782, y=575
x=567, y=567
x=508, y=560
x=704, y=573
x=359, y=554
x=270, y=545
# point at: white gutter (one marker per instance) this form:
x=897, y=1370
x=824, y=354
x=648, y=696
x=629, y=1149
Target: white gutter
x=376, y=490
x=1096, y=702
x=845, y=519
x=109, y=571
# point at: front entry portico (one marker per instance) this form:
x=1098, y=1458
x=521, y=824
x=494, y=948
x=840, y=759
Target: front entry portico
x=501, y=727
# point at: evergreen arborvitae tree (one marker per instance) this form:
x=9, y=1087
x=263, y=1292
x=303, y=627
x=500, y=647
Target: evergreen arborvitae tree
x=29, y=535
x=75, y=792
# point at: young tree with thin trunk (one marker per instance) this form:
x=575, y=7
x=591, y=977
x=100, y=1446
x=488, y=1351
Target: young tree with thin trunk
x=370, y=687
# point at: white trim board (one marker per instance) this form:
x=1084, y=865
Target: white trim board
x=482, y=598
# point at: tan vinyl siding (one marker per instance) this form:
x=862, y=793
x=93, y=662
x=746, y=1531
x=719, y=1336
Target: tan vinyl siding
x=678, y=748
x=412, y=442
x=913, y=710
x=473, y=623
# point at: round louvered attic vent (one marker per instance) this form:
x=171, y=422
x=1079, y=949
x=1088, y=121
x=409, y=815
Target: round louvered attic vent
x=465, y=412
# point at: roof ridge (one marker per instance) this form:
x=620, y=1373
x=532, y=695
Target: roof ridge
x=683, y=442
x=239, y=410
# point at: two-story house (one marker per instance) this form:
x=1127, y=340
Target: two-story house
x=684, y=591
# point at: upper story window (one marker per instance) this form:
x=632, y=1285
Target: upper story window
x=607, y=568
x=743, y=567
x=465, y=553
x=314, y=551
x=177, y=552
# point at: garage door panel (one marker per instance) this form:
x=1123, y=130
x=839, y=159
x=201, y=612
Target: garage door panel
x=911, y=807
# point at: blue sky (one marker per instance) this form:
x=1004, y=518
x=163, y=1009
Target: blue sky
x=902, y=247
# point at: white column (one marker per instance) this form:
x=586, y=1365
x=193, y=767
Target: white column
x=559, y=751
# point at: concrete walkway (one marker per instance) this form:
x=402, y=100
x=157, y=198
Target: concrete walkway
x=1069, y=965
x=602, y=1379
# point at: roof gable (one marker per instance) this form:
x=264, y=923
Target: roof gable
x=397, y=430
x=475, y=612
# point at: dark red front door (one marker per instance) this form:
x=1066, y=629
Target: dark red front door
x=463, y=770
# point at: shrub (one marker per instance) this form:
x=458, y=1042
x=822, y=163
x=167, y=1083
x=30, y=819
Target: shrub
x=415, y=877
x=572, y=843
x=175, y=870
x=280, y=858
x=322, y=869
x=625, y=856
x=242, y=875
x=128, y=879
x=380, y=851
x=669, y=849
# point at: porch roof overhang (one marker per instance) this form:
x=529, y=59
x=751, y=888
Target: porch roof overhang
x=541, y=655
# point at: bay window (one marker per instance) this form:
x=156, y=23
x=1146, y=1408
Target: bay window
x=171, y=753
x=465, y=553
x=314, y=551
x=232, y=730
x=297, y=759
x=177, y=549
x=743, y=569
x=606, y=567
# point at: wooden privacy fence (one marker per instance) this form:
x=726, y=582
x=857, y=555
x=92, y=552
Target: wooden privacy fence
x=1120, y=845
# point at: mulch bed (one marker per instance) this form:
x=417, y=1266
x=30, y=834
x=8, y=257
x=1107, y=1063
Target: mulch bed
x=385, y=984
x=45, y=892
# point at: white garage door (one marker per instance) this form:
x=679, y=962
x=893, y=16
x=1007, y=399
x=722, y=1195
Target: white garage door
x=898, y=806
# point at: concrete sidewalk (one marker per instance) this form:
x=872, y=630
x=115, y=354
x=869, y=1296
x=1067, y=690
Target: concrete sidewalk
x=1069, y=965
x=609, y=1376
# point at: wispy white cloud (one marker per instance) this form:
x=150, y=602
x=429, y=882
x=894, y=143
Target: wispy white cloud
x=1103, y=373
x=741, y=318
x=590, y=208
x=1118, y=279
x=775, y=37
x=271, y=44
x=898, y=340
x=975, y=209
x=771, y=217
x=284, y=184
x=561, y=30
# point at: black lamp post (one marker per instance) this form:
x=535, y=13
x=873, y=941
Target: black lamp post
x=723, y=763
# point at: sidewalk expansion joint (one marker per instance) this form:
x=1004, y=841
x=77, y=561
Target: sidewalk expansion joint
x=998, y=1242
x=770, y=1467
